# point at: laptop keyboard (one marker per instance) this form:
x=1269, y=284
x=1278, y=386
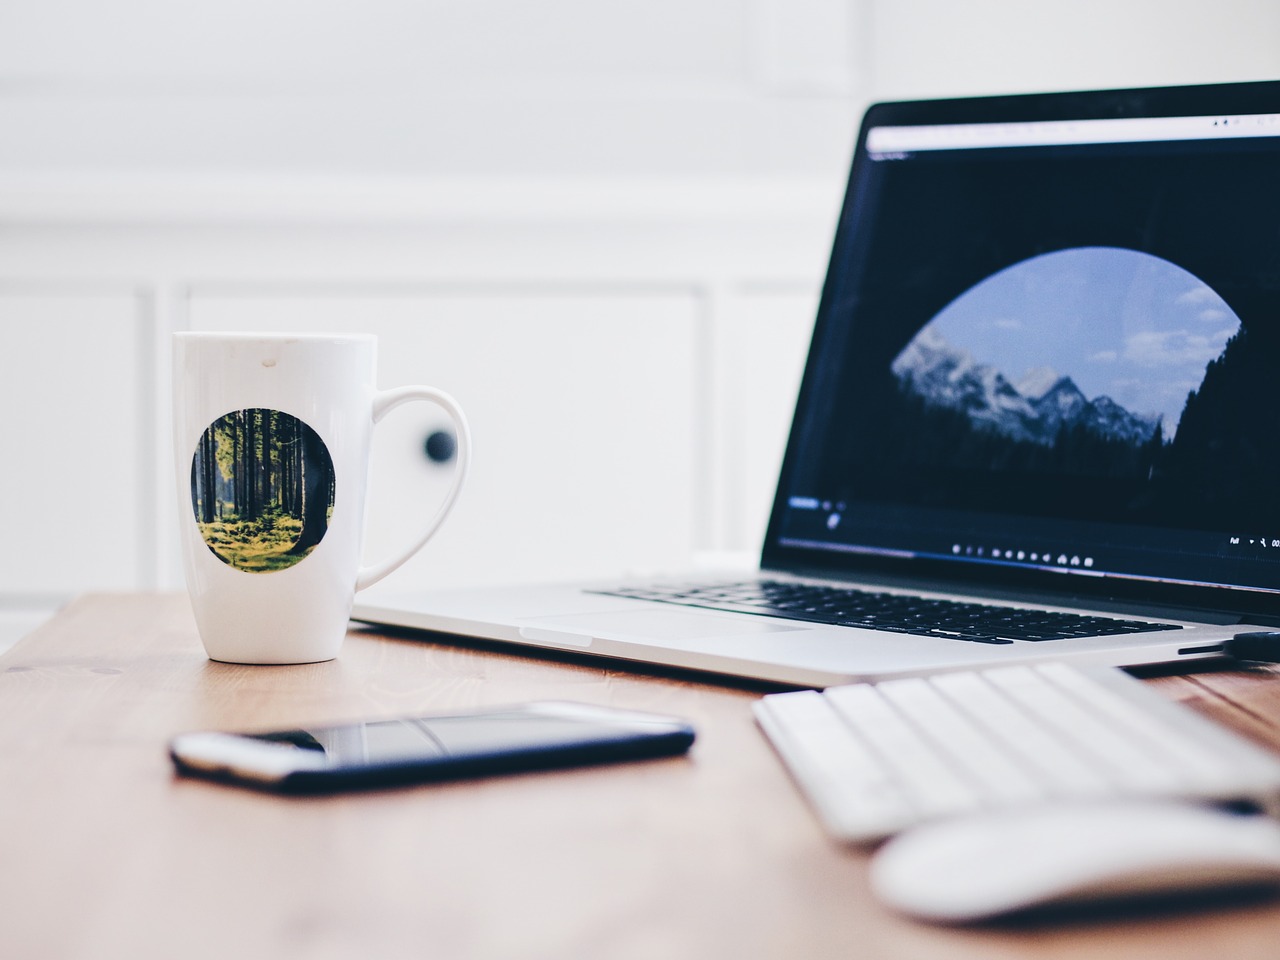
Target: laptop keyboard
x=874, y=758
x=892, y=612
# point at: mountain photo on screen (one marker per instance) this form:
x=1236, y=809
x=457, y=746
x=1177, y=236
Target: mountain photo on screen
x=262, y=488
x=1081, y=362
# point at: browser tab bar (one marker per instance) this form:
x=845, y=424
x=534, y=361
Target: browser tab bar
x=1044, y=133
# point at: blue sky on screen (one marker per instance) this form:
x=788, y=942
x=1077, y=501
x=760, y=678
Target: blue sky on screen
x=1119, y=322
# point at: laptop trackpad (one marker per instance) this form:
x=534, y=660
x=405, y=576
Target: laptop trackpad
x=647, y=624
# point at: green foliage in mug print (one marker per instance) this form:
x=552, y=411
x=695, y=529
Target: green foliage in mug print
x=262, y=488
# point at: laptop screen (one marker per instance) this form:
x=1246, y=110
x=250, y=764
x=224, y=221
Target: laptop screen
x=1049, y=345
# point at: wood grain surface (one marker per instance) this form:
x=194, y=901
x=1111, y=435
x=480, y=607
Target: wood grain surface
x=104, y=853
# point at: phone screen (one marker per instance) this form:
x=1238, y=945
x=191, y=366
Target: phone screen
x=433, y=747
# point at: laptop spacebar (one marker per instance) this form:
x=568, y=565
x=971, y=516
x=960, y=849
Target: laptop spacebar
x=893, y=613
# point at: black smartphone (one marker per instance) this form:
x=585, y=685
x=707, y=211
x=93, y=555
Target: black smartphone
x=414, y=749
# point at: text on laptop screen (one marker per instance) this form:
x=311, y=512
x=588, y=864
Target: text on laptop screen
x=1052, y=344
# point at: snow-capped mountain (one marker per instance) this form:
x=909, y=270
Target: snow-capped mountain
x=1038, y=382
x=1062, y=402
x=1107, y=418
x=1036, y=409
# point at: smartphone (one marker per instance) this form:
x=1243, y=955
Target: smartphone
x=414, y=749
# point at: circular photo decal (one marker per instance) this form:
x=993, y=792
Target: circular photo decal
x=262, y=488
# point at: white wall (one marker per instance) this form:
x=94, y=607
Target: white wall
x=667, y=170
x=927, y=48
x=437, y=88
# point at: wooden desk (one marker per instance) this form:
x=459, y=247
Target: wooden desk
x=104, y=853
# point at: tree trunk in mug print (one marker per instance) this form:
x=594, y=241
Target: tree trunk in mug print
x=252, y=508
x=236, y=428
x=208, y=483
x=268, y=455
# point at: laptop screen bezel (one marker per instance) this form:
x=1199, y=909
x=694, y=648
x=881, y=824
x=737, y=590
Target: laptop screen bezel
x=1047, y=586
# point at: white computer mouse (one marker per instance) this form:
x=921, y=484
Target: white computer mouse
x=983, y=866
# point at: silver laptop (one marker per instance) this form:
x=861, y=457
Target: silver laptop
x=1039, y=420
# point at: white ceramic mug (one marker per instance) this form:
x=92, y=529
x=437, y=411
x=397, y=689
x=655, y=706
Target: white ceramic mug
x=271, y=439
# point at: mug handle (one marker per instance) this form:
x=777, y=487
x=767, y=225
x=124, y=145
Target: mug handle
x=383, y=403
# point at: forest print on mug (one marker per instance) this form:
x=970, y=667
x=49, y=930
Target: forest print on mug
x=262, y=488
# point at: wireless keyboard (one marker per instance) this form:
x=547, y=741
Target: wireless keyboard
x=875, y=758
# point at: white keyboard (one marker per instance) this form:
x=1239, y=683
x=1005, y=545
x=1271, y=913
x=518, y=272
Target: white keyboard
x=874, y=758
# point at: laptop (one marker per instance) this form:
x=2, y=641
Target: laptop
x=1039, y=418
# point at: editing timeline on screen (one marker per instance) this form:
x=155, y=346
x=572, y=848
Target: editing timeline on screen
x=1055, y=349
